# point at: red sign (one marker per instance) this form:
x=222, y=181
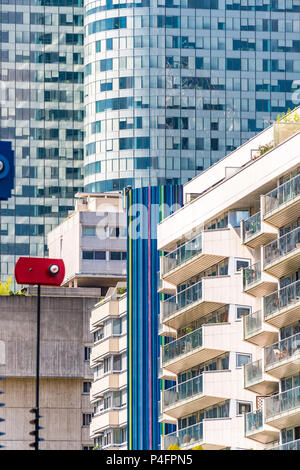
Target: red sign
x=44, y=271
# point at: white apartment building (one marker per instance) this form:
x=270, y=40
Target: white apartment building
x=108, y=361
x=92, y=241
x=231, y=313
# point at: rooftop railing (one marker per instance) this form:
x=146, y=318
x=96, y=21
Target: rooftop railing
x=183, y=253
x=282, y=350
x=184, y=437
x=282, y=246
x=282, y=194
x=281, y=298
x=182, y=345
x=251, y=275
x=252, y=226
x=282, y=402
x=183, y=391
x=181, y=300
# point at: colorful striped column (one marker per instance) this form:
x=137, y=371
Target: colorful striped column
x=146, y=207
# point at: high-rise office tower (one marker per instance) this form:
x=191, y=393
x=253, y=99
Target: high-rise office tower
x=170, y=87
x=42, y=114
x=173, y=85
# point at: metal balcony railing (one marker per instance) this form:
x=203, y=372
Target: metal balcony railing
x=253, y=373
x=252, y=226
x=184, y=437
x=183, y=391
x=253, y=323
x=182, y=345
x=282, y=350
x=282, y=402
x=183, y=253
x=251, y=275
x=282, y=246
x=281, y=298
x=282, y=194
x=181, y=300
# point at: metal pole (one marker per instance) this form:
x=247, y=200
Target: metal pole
x=37, y=380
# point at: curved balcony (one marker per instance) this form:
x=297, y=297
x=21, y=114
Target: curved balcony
x=283, y=410
x=196, y=347
x=256, y=429
x=282, y=359
x=255, y=232
x=196, y=255
x=282, y=307
x=282, y=256
x=283, y=203
x=256, y=331
x=256, y=282
x=257, y=381
x=197, y=393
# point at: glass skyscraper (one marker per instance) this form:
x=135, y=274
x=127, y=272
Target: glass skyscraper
x=168, y=87
x=42, y=114
x=174, y=85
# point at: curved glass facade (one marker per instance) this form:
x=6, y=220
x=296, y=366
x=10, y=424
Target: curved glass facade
x=171, y=86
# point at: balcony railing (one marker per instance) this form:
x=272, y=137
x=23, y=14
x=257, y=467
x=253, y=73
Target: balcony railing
x=183, y=391
x=281, y=298
x=253, y=323
x=182, y=345
x=253, y=373
x=282, y=246
x=282, y=350
x=293, y=445
x=183, y=253
x=181, y=300
x=282, y=194
x=282, y=402
x=253, y=422
x=184, y=437
x=251, y=275
x=252, y=226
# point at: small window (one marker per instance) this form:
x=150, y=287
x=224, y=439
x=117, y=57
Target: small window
x=87, y=353
x=241, y=263
x=86, y=387
x=242, y=359
x=243, y=408
x=86, y=419
x=89, y=231
x=242, y=311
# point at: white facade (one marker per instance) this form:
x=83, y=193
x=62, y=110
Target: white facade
x=108, y=361
x=92, y=242
x=233, y=315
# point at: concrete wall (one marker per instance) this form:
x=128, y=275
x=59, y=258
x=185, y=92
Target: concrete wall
x=64, y=334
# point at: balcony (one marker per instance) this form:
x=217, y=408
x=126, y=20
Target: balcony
x=282, y=256
x=184, y=438
x=257, y=381
x=255, y=232
x=201, y=345
x=282, y=359
x=202, y=298
x=293, y=445
x=256, y=282
x=283, y=410
x=111, y=418
x=202, y=391
x=109, y=345
x=282, y=307
x=109, y=381
x=283, y=203
x=256, y=429
x=256, y=331
x=206, y=249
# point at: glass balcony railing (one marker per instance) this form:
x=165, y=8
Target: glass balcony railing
x=292, y=445
x=281, y=298
x=253, y=323
x=283, y=350
x=251, y=275
x=253, y=422
x=181, y=300
x=282, y=402
x=159, y=281
x=252, y=226
x=282, y=246
x=282, y=194
x=183, y=391
x=183, y=253
x=182, y=345
x=253, y=373
x=184, y=437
